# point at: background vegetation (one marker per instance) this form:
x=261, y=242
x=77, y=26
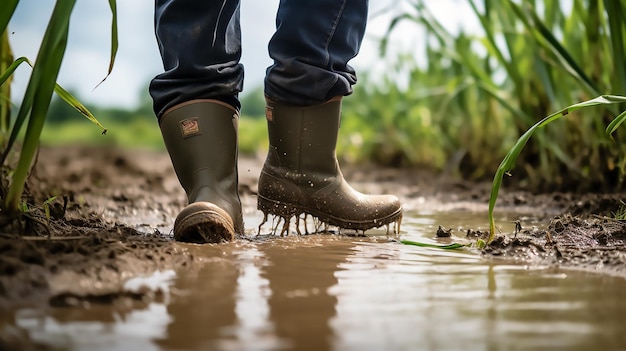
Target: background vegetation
x=474, y=95
x=464, y=104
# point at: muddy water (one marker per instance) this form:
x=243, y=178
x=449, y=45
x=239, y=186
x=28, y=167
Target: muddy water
x=329, y=292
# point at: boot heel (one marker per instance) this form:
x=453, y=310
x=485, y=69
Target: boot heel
x=277, y=208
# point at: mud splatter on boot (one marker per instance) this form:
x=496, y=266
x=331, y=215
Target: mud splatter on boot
x=301, y=174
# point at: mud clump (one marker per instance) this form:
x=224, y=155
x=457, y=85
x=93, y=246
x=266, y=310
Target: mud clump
x=84, y=250
x=91, y=262
x=588, y=242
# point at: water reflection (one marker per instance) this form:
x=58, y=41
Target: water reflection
x=116, y=328
x=325, y=292
x=252, y=308
x=300, y=305
x=451, y=306
x=272, y=295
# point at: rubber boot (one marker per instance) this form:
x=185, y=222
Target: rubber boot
x=301, y=174
x=201, y=139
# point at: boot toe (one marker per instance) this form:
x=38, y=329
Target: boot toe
x=377, y=211
x=203, y=222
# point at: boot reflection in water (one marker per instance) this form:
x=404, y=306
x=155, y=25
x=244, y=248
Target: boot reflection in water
x=196, y=102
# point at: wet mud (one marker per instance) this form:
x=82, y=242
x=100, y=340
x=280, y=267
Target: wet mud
x=587, y=242
x=113, y=210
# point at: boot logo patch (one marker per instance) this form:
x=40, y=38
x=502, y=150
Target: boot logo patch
x=190, y=127
x=269, y=113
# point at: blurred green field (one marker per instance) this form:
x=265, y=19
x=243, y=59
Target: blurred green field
x=131, y=129
x=461, y=106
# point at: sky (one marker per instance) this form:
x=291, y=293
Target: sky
x=87, y=55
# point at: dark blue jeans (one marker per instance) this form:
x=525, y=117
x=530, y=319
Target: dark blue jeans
x=200, y=45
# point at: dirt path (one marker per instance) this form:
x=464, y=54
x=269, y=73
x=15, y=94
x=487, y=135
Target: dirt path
x=120, y=206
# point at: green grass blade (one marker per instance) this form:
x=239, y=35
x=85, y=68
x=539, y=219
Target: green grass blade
x=422, y=15
x=72, y=101
x=62, y=93
x=543, y=74
x=614, y=11
x=489, y=89
x=384, y=42
x=6, y=61
x=452, y=246
x=22, y=114
x=600, y=100
x=9, y=71
x=615, y=123
x=40, y=87
x=509, y=160
x=114, y=40
x=534, y=24
x=6, y=12
x=491, y=44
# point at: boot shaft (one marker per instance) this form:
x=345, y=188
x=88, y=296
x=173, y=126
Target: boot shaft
x=302, y=175
x=201, y=139
x=304, y=139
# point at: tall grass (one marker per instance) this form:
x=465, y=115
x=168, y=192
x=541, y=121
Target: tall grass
x=41, y=85
x=511, y=157
x=531, y=58
x=480, y=91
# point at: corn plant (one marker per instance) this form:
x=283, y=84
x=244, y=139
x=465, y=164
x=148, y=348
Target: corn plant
x=509, y=160
x=42, y=84
x=530, y=58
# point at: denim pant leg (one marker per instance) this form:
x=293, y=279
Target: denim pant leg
x=313, y=43
x=200, y=45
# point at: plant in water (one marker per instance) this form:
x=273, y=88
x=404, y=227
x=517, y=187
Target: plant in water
x=509, y=160
x=42, y=84
x=451, y=246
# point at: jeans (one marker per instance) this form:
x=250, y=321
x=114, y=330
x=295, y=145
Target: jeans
x=200, y=45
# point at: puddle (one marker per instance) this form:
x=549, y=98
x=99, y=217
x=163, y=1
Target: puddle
x=328, y=292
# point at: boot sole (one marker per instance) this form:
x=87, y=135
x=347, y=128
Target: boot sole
x=203, y=222
x=287, y=210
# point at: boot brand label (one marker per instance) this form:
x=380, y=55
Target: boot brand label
x=269, y=113
x=190, y=127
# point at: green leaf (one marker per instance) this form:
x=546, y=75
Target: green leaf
x=11, y=69
x=614, y=11
x=615, y=123
x=114, y=40
x=452, y=246
x=509, y=160
x=535, y=25
x=38, y=95
x=5, y=123
x=77, y=105
x=62, y=93
x=6, y=12
x=6, y=60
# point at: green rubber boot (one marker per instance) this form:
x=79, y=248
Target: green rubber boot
x=201, y=139
x=301, y=174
